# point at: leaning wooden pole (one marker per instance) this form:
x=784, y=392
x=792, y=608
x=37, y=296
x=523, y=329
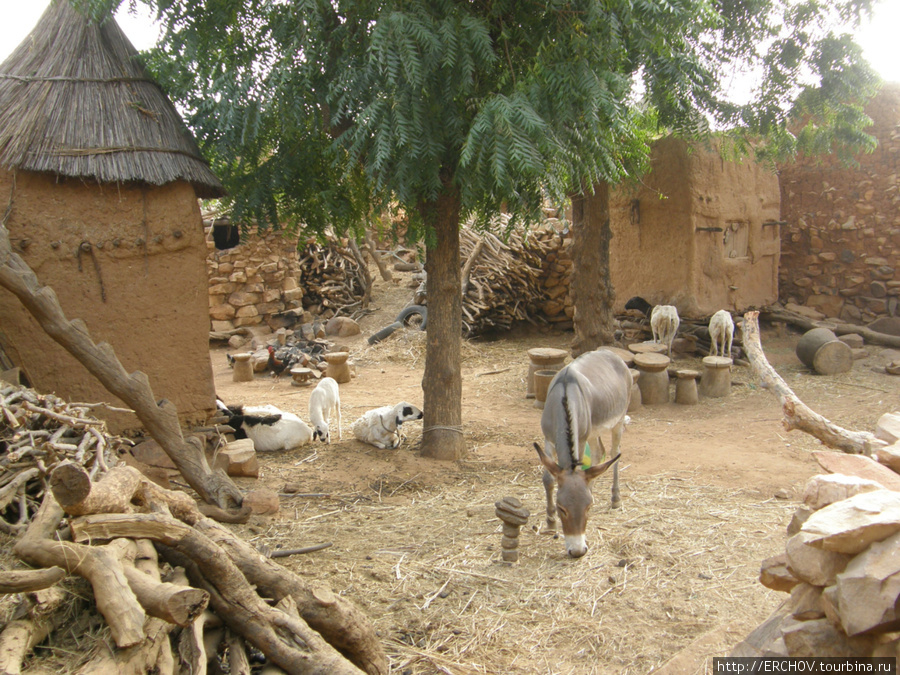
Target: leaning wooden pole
x=796, y=414
x=159, y=419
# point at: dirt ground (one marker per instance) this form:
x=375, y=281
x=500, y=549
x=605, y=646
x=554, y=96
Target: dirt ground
x=707, y=492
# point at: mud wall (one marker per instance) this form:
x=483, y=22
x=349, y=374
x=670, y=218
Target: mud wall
x=128, y=261
x=841, y=244
x=698, y=232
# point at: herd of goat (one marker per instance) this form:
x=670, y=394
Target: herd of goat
x=589, y=395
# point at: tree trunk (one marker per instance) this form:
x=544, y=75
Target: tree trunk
x=592, y=291
x=442, y=436
x=160, y=419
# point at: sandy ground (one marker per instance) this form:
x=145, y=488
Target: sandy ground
x=707, y=492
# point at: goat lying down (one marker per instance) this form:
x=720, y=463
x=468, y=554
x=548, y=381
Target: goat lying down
x=381, y=427
x=590, y=394
x=269, y=428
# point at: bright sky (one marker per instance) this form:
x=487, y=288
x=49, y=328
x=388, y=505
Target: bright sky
x=878, y=37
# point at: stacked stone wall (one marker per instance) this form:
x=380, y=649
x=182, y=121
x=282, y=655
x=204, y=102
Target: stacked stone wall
x=840, y=244
x=252, y=281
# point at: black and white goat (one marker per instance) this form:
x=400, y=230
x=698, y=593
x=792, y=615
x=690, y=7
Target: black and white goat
x=268, y=427
x=381, y=427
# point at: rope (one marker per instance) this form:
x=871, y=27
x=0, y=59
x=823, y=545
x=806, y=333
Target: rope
x=456, y=429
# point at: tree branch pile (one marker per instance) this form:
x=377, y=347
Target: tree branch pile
x=503, y=281
x=334, y=277
x=167, y=580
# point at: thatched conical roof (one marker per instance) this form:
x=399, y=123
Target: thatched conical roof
x=74, y=101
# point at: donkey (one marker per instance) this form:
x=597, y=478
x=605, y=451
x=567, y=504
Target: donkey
x=590, y=394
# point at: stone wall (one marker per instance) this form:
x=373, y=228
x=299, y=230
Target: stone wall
x=840, y=242
x=253, y=280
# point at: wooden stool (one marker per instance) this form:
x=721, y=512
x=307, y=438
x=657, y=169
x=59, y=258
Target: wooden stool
x=686, y=387
x=542, y=380
x=716, y=379
x=543, y=358
x=647, y=348
x=635, y=403
x=243, y=369
x=300, y=376
x=627, y=356
x=338, y=368
x=654, y=380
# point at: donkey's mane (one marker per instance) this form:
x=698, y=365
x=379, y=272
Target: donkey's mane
x=569, y=436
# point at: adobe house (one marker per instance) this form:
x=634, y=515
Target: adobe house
x=99, y=181
x=699, y=232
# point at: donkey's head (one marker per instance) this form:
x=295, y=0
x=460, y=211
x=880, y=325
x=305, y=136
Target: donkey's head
x=573, y=499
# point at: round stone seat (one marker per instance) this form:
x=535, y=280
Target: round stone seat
x=647, y=348
x=543, y=358
x=686, y=387
x=338, y=368
x=627, y=356
x=301, y=377
x=716, y=379
x=654, y=379
x=243, y=368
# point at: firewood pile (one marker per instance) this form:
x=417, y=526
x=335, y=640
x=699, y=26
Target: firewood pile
x=174, y=587
x=503, y=281
x=334, y=277
x=840, y=564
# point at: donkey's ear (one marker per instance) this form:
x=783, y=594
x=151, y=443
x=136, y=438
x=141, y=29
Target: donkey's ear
x=548, y=463
x=594, y=471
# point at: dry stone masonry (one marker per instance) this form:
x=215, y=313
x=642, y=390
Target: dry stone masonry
x=840, y=243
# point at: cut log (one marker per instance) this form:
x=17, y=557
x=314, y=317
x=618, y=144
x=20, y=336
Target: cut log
x=39, y=614
x=805, y=323
x=70, y=483
x=111, y=494
x=287, y=641
x=98, y=564
x=820, y=350
x=27, y=581
x=159, y=418
x=796, y=414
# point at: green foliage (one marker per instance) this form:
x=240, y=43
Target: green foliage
x=321, y=112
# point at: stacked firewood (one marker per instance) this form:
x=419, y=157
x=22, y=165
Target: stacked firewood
x=174, y=587
x=334, y=277
x=502, y=280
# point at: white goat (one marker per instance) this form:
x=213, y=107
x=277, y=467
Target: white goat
x=381, y=427
x=268, y=427
x=721, y=330
x=664, y=325
x=324, y=400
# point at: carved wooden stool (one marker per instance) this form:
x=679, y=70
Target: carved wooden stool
x=300, y=377
x=686, y=387
x=654, y=379
x=543, y=358
x=542, y=379
x=514, y=515
x=243, y=369
x=716, y=379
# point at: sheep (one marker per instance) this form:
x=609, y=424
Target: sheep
x=268, y=427
x=721, y=329
x=324, y=400
x=664, y=325
x=381, y=427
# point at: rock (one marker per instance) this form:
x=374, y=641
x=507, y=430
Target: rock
x=342, y=326
x=781, y=493
x=149, y=452
x=851, y=525
x=800, y=516
x=808, y=312
x=828, y=601
x=238, y=458
x=813, y=565
x=815, y=638
x=868, y=589
x=774, y=574
x=888, y=427
x=823, y=490
x=804, y=602
x=889, y=325
x=852, y=340
x=262, y=502
x=889, y=456
x=857, y=465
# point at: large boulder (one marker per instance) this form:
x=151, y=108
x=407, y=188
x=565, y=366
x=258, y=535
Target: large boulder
x=851, y=525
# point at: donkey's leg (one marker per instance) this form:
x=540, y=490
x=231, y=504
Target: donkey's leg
x=549, y=486
x=616, y=440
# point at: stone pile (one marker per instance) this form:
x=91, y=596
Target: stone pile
x=841, y=564
x=840, y=244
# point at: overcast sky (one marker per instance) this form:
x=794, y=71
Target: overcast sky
x=879, y=38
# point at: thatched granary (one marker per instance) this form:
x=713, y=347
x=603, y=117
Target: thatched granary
x=99, y=178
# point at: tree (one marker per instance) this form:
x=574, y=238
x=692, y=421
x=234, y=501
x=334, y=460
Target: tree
x=322, y=110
